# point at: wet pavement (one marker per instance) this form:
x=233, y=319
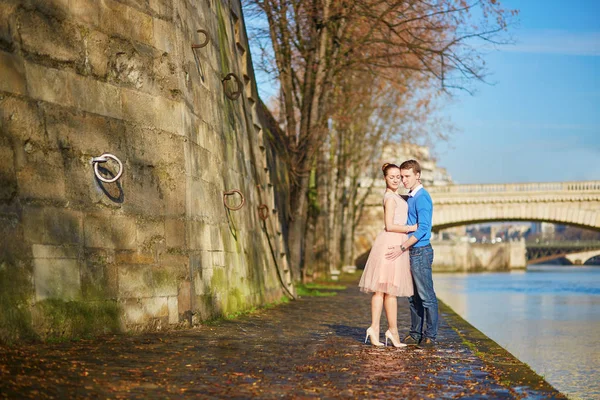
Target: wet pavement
x=309, y=348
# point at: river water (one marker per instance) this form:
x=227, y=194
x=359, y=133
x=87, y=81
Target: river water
x=546, y=316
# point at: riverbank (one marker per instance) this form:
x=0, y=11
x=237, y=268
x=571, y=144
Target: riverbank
x=312, y=347
x=546, y=316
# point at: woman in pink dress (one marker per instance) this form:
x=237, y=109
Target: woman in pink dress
x=388, y=279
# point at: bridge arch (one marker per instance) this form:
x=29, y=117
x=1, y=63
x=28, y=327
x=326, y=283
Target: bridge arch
x=570, y=203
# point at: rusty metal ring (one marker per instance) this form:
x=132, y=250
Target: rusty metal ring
x=234, y=191
x=206, y=40
x=235, y=94
x=263, y=212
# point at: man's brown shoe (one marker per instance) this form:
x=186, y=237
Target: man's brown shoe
x=426, y=343
x=409, y=340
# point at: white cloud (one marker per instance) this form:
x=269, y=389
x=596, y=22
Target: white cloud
x=556, y=42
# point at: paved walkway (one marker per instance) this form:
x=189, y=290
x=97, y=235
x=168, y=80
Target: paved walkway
x=310, y=348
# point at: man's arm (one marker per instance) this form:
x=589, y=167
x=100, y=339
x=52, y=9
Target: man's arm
x=424, y=217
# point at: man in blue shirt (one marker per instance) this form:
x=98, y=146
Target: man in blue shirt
x=423, y=304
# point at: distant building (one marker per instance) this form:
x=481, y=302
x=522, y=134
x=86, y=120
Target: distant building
x=431, y=174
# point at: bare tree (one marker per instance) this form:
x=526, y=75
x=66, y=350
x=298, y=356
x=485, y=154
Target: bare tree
x=315, y=42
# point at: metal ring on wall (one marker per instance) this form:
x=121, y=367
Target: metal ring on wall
x=206, y=40
x=235, y=94
x=234, y=191
x=104, y=158
x=263, y=212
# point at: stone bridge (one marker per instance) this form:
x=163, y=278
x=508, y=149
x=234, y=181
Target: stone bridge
x=569, y=203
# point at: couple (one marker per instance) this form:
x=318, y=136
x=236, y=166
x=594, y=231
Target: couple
x=390, y=271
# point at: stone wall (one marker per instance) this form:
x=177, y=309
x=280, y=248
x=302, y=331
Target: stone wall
x=472, y=257
x=157, y=248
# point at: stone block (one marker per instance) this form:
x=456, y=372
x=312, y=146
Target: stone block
x=133, y=311
x=199, y=235
x=172, y=303
x=216, y=235
x=7, y=25
x=155, y=307
x=160, y=150
x=11, y=227
x=99, y=274
x=8, y=178
x=149, y=231
x=47, y=36
x=175, y=233
x=170, y=116
x=49, y=84
x=56, y=279
x=144, y=190
x=167, y=74
x=21, y=119
x=110, y=231
x=202, y=279
x=133, y=257
x=164, y=36
x=131, y=66
x=218, y=259
x=175, y=197
x=85, y=11
x=96, y=97
x=135, y=281
x=139, y=107
x=184, y=299
x=49, y=251
x=50, y=225
x=206, y=201
x=163, y=8
x=58, y=9
x=83, y=133
x=96, y=48
x=165, y=281
x=42, y=179
x=127, y=22
x=13, y=74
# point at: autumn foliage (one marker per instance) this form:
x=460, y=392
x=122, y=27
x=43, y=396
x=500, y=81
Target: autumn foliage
x=353, y=74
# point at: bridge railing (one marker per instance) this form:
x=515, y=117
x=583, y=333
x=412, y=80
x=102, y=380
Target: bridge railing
x=576, y=244
x=583, y=186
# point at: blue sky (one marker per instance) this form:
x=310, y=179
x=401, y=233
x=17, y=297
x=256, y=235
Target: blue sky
x=539, y=120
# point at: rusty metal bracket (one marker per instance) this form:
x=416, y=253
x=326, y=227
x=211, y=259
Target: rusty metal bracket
x=206, y=39
x=234, y=191
x=235, y=94
x=263, y=212
x=199, y=46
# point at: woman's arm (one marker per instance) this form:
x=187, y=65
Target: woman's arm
x=389, y=208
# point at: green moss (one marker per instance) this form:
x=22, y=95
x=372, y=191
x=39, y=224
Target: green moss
x=322, y=286
x=15, y=297
x=74, y=319
x=218, y=281
x=224, y=47
x=235, y=301
x=303, y=290
x=250, y=311
x=162, y=276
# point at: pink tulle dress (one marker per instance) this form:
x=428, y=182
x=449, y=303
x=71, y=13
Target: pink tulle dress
x=380, y=274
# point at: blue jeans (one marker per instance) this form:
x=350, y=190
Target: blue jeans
x=423, y=304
